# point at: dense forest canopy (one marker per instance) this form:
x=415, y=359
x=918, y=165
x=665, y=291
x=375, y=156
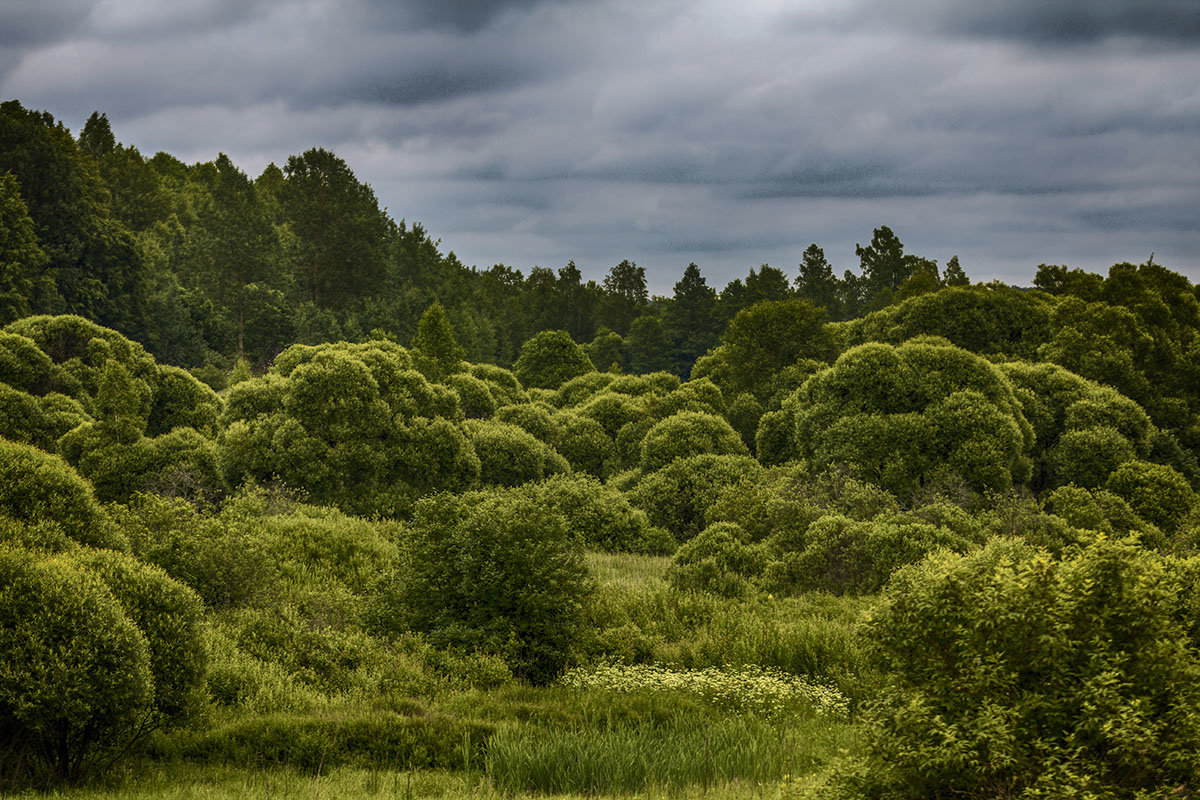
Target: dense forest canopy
x=279, y=477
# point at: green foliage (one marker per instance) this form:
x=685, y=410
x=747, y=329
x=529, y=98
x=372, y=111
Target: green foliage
x=503, y=384
x=585, y=445
x=75, y=676
x=317, y=744
x=21, y=257
x=508, y=456
x=535, y=420
x=907, y=416
x=688, y=434
x=677, y=496
x=842, y=555
x=169, y=616
x=499, y=572
x=438, y=354
x=38, y=487
x=1155, y=492
x=599, y=516
x=549, y=359
x=720, y=559
x=474, y=397
x=766, y=337
x=1104, y=705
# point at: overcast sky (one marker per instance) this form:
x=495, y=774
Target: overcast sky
x=725, y=132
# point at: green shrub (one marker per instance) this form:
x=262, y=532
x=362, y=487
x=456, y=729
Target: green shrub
x=24, y=366
x=1105, y=705
x=677, y=496
x=688, y=434
x=504, y=385
x=38, y=421
x=495, y=571
x=38, y=487
x=905, y=416
x=701, y=396
x=775, y=438
x=181, y=401
x=585, y=445
x=437, y=456
x=582, y=387
x=508, y=456
x=75, y=678
x=474, y=397
x=1155, y=492
x=744, y=414
x=1087, y=457
x=720, y=559
x=169, y=615
x=614, y=410
x=533, y=419
x=549, y=359
x=846, y=556
x=599, y=516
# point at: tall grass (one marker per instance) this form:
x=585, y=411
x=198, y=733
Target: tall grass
x=623, y=759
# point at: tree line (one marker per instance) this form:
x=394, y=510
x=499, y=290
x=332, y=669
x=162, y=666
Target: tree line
x=203, y=264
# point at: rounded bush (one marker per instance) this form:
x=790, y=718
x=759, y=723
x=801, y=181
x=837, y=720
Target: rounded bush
x=181, y=401
x=503, y=383
x=170, y=616
x=438, y=457
x=1155, y=492
x=508, y=456
x=499, y=572
x=581, y=388
x=75, y=677
x=719, y=560
x=585, y=445
x=533, y=419
x=474, y=397
x=24, y=366
x=1105, y=705
x=38, y=487
x=1087, y=457
x=906, y=416
x=598, y=515
x=677, y=496
x=689, y=434
x=549, y=359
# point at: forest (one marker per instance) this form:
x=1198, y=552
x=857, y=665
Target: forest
x=292, y=504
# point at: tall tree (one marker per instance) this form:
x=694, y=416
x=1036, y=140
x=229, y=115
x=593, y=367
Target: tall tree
x=625, y=295
x=816, y=281
x=885, y=266
x=691, y=320
x=438, y=352
x=95, y=264
x=649, y=348
x=342, y=232
x=768, y=283
x=237, y=244
x=21, y=257
x=954, y=274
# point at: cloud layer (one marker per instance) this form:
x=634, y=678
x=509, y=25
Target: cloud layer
x=531, y=132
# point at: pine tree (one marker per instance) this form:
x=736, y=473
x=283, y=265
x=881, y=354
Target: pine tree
x=438, y=352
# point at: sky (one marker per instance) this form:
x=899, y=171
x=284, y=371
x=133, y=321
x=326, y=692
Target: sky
x=730, y=133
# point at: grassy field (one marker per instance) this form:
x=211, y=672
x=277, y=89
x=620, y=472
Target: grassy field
x=685, y=694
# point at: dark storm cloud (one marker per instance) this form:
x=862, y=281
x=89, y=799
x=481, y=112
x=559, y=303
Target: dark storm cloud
x=730, y=133
x=27, y=23
x=456, y=15
x=1073, y=21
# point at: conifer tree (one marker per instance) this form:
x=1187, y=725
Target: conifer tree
x=438, y=352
